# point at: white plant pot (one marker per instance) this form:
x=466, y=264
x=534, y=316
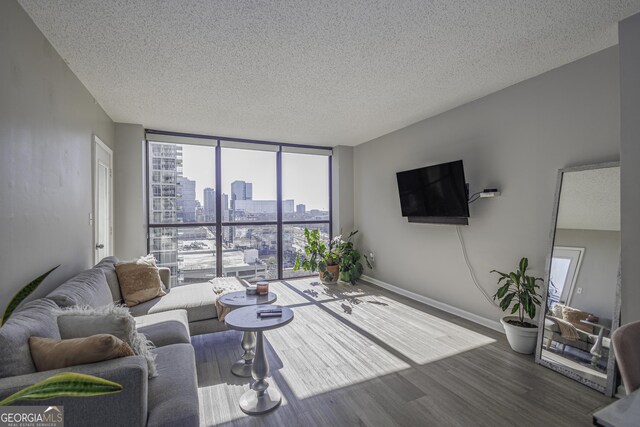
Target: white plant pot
x=521, y=340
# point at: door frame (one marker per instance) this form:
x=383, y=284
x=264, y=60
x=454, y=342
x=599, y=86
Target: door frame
x=97, y=142
x=576, y=271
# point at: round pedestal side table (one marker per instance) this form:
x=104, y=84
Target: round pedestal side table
x=261, y=398
x=234, y=300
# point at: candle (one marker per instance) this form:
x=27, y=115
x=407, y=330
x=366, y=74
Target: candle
x=262, y=288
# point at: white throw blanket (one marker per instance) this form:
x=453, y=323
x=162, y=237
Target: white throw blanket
x=221, y=286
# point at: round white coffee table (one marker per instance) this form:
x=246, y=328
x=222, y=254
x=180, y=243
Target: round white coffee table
x=261, y=398
x=242, y=367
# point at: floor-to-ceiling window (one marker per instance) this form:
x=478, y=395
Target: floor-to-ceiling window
x=220, y=207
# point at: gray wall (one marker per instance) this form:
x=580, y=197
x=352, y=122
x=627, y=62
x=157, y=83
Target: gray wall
x=515, y=139
x=47, y=119
x=598, y=273
x=130, y=215
x=629, y=35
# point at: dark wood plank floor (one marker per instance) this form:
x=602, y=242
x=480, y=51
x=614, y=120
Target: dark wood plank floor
x=365, y=356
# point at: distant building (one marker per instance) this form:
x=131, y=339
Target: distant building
x=241, y=190
x=261, y=207
x=301, y=209
x=209, y=208
x=186, y=199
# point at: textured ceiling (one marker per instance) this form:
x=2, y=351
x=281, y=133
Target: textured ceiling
x=590, y=200
x=313, y=71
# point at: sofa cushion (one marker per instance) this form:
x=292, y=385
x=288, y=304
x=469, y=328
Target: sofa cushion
x=88, y=288
x=108, y=265
x=35, y=318
x=79, y=322
x=48, y=354
x=165, y=328
x=173, y=394
x=198, y=299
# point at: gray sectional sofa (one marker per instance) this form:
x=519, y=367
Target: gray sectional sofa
x=169, y=399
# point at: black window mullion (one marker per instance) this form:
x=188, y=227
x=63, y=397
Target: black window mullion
x=279, y=227
x=218, y=211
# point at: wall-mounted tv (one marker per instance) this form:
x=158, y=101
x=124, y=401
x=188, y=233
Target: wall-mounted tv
x=434, y=194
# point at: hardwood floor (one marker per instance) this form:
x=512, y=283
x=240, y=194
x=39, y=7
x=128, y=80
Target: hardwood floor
x=364, y=356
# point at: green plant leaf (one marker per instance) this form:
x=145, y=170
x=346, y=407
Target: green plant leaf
x=22, y=294
x=524, y=263
x=515, y=308
x=65, y=384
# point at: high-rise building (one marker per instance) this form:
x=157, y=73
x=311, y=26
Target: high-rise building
x=165, y=164
x=241, y=190
x=209, y=197
x=301, y=209
x=225, y=207
x=186, y=199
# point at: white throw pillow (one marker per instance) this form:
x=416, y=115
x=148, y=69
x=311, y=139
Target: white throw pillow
x=80, y=322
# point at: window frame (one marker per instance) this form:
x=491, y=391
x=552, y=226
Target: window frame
x=218, y=224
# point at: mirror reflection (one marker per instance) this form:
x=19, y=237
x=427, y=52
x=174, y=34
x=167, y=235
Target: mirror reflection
x=583, y=276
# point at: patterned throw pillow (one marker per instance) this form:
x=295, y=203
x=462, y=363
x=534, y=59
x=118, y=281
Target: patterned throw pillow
x=80, y=322
x=139, y=280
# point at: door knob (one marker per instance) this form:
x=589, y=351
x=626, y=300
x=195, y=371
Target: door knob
x=99, y=246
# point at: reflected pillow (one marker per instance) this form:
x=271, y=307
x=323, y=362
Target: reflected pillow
x=574, y=316
x=48, y=354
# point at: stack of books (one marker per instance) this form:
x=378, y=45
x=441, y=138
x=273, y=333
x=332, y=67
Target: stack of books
x=269, y=312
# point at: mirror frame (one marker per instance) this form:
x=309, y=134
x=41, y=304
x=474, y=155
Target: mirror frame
x=609, y=388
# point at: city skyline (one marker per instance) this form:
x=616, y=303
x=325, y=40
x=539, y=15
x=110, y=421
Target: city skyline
x=304, y=177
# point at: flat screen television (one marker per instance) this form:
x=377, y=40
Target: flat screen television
x=434, y=194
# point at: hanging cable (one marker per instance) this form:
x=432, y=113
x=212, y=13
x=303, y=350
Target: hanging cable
x=471, y=273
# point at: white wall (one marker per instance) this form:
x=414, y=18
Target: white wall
x=130, y=216
x=47, y=119
x=629, y=38
x=598, y=275
x=515, y=139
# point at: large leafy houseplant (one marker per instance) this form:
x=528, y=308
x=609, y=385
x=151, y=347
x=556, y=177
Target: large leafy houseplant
x=338, y=253
x=350, y=265
x=521, y=290
x=318, y=255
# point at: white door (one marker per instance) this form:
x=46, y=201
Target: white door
x=565, y=266
x=102, y=200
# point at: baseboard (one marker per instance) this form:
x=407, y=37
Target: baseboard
x=491, y=324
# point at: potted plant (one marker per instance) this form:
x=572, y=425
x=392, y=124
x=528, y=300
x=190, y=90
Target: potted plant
x=519, y=291
x=350, y=265
x=319, y=256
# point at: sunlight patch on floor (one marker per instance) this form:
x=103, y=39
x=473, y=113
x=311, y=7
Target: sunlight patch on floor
x=315, y=290
x=319, y=354
x=419, y=336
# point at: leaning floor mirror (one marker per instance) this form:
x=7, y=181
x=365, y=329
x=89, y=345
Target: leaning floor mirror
x=583, y=277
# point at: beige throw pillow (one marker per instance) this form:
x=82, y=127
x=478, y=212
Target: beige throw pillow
x=48, y=354
x=139, y=280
